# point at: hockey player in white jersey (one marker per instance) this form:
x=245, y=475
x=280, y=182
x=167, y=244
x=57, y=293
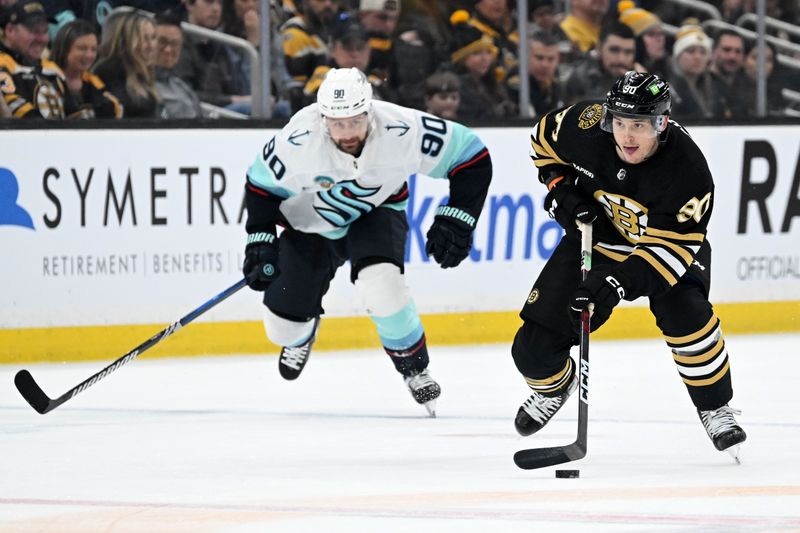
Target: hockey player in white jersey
x=335, y=178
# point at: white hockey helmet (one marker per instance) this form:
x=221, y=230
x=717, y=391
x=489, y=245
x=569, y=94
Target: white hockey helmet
x=345, y=92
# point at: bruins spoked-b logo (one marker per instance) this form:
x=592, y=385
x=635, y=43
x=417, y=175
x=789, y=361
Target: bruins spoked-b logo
x=48, y=100
x=590, y=116
x=533, y=296
x=628, y=216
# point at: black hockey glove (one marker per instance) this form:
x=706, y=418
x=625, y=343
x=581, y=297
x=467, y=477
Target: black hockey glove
x=450, y=237
x=604, y=289
x=260, y=260
x=566, y=204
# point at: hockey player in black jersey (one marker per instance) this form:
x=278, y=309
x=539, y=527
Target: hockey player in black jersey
x=644, y=185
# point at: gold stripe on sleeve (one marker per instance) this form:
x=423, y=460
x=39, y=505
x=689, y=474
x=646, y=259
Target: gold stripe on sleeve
x=656, y=264
x=685, y=255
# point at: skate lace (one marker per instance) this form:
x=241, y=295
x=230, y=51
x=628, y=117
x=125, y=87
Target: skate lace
x=294, y=357
x=720, y=420
x=420, y=381
x=541, y=408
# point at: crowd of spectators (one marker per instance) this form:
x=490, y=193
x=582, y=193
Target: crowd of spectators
x=118, y=59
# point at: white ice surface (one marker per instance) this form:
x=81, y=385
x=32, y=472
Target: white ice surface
x=225, y=445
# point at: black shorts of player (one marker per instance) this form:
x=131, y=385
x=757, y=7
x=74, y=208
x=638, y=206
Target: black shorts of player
x=307, y=262
x=542, y=344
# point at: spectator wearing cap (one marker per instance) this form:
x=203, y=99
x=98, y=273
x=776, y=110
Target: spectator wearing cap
x=305, y=43
x=583, y=23
x=543, y=17
x=349, y=49
x=419, y=48
x=379, y=18
x=74, y=51
x=473, y=55
x=494, y=19
x=727, y=64
x=443, y=95
x=690, y=83
x=651, y=39
x=31, y=87
x=546, y=91
x=616, y=52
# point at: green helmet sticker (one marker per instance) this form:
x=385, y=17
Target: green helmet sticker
x=654, y=90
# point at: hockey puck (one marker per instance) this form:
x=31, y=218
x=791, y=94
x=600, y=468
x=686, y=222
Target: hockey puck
x=568, y=473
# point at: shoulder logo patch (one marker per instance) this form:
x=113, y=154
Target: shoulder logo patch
x=590, y=116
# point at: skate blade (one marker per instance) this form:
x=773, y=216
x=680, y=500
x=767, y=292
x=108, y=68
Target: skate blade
x=733, y=451
x=430, y=406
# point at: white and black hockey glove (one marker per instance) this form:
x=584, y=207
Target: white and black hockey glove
x=450, y=237
x=260, y=266
x=602, y=287
x=566, y=204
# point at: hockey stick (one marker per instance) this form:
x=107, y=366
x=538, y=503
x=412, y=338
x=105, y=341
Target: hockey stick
x=36, y=397
x=541, y=457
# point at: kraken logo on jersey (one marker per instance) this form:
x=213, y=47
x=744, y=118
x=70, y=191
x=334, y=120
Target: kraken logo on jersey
x=628, y=216
x=48, y=100
x=590, y=116
x=345, y=204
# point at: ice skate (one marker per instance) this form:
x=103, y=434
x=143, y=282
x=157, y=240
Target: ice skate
x=724, y=431
x=537, y=410
x=424, y=390
x=294, y=358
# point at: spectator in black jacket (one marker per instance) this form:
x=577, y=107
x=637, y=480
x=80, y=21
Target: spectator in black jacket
x=75, y=50
x=592, y=76
x=546, y=90
x=205, y=64
x=125, y=62
x=474, y=56
x=31, y=87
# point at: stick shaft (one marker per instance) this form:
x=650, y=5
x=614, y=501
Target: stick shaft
x=36, y=397
x=542, y=457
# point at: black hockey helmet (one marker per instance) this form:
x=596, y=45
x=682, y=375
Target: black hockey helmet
x=638, y=95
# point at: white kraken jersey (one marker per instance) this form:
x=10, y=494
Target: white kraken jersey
x=325, y=189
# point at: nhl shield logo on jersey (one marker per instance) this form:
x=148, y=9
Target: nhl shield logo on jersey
x=324, y=182
x=590, y=116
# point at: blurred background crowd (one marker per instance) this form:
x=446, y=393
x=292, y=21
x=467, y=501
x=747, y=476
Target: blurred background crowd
x=459, y=59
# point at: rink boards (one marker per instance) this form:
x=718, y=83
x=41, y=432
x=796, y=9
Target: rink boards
x=109, y=235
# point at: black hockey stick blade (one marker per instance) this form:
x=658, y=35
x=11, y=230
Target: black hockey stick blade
x=32, y=393
x=42, y=404
x=542, y=457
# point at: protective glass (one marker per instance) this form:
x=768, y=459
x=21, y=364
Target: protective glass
x=341, y=125
x=636, y=125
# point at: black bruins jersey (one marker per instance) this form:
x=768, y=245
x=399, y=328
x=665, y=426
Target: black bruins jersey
x=36, y=91
x=656, y=212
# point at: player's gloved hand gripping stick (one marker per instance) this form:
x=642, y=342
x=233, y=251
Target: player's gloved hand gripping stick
x=541, y=457
x=36, y=397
